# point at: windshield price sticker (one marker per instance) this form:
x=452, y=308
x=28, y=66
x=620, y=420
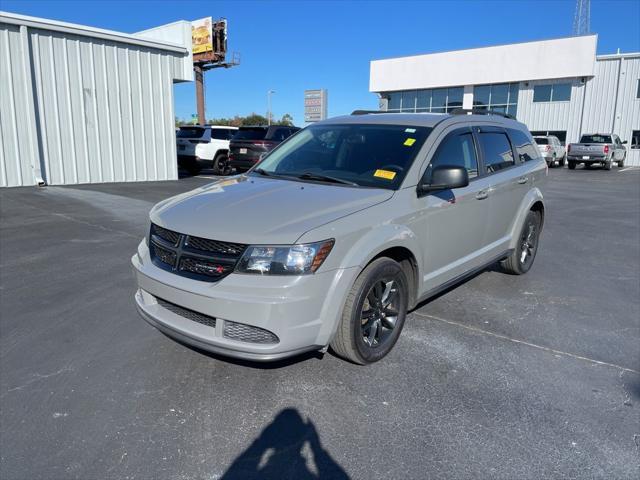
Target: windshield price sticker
x=386, y=174
x=409, y=141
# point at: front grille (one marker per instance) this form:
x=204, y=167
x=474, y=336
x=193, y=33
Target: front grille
x=167, y=257
x=205, y=245
x=188, y=314
x=193, y=257
x=168, y=236
x=247, y=333
x=205, y=267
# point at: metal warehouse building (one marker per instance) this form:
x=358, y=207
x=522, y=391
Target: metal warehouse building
x=557, y=87
x=85, y=105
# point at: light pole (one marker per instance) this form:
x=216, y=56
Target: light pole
x=269, y=93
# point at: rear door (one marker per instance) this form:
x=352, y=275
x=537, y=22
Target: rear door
x=508, y=183
x=220, y=140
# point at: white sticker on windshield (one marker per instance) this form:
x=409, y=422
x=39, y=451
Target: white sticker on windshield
x=410, y=130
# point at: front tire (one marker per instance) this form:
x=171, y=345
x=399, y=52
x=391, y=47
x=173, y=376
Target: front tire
x=374, y=313
x=521, y=260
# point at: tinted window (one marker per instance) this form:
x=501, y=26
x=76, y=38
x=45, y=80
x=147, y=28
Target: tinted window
x=595, y=139
x=497, y=151
x=279, y=134
x=541, y=140
x=454, y=98
x=368, y=155
x=481, y=95
x=394, y=100
x=561, y=92
x=526, y=150
x=438, y=100
x=190, y=132
x=221, y=133
x=456, y=150
x=251, y=133
x=542, y=93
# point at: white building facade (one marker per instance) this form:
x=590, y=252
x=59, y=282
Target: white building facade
x=556, y=87
x=86, y=105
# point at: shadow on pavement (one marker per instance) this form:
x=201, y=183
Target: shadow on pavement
x=289, y=447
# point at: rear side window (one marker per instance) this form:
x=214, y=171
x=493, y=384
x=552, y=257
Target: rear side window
x=456, y=150
x=221, y=133
x=497, y=151
x=526, y=150
x=279, y=134
x=190, y=132
x=541, y=141
x=251, y=133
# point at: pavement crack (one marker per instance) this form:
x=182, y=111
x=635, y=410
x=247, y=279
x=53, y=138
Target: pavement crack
x=529, y=344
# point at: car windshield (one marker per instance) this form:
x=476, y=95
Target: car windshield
x=541, y=141
x=595, y=139
x=251, y=133
x=359, y=155
x=190, y=132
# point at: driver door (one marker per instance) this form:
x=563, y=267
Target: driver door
x=452, y=223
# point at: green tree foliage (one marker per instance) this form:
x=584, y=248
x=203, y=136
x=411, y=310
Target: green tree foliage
x=237, y=121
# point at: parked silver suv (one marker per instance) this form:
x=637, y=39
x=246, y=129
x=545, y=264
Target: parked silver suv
x=339, y=231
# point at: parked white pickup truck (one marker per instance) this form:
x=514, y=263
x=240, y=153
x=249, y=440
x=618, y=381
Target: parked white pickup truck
x=204, y=146
x=602, y=148
x=551, y=150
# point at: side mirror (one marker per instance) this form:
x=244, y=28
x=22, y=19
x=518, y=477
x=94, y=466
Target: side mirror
x=445, y=177
x=624, y=143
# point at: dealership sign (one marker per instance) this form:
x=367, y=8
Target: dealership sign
x=315, y=105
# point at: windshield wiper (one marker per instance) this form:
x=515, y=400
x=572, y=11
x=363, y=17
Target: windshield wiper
x=263, y=172
x=325, y=178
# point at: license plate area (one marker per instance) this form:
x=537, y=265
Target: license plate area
x=585, y=157
x=243, y=151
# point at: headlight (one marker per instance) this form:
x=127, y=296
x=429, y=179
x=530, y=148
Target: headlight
x=284, y=260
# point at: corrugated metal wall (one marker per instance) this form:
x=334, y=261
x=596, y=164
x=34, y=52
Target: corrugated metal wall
x=101, y=111
x=628, y=106
x=546, y=116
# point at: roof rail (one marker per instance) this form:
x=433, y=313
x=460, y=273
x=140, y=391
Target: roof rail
x=480, y=111
x=365, y=112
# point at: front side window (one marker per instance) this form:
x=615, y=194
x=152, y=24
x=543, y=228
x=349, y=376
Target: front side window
x=497, y=151
x=358, y=154
x=455, y=150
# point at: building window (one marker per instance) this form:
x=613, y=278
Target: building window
x=559, y=134
x=635, y=139
x=556, y=92
x=638, y=92
x=437, y=100
x=501, y=97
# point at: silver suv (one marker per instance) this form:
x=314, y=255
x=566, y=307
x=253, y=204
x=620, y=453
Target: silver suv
x=339, y=231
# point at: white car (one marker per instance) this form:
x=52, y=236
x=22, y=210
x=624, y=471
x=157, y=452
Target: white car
x=551, y=150
x=204, y=146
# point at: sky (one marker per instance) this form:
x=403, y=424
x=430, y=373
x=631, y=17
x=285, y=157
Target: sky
x=290, y=46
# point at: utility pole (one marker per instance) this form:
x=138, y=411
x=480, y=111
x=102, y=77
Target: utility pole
x=199, y=74
x=269, y=93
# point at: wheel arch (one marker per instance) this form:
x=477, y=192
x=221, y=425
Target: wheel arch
x=532, y=201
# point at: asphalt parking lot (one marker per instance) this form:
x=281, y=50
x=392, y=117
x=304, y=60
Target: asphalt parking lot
x=502, y=377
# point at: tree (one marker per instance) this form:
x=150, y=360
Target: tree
x=286, y=120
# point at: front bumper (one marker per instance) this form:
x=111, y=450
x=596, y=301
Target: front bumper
x=303, y=312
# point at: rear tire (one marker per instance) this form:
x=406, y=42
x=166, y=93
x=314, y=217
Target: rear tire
x=374, y=313
x=563, y=161
x=521, y=260
x=607, y=165
x=221, y=164
x=572, y=165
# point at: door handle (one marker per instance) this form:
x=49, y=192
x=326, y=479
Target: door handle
x=523, y=180
x=482, y=194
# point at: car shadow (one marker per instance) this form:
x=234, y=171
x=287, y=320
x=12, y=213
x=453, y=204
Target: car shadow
x=289, y=447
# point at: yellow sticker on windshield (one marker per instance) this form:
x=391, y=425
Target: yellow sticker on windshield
x=409, y=141
x=386, y=174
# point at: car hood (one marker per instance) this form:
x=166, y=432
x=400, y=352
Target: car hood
x=256, y=210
